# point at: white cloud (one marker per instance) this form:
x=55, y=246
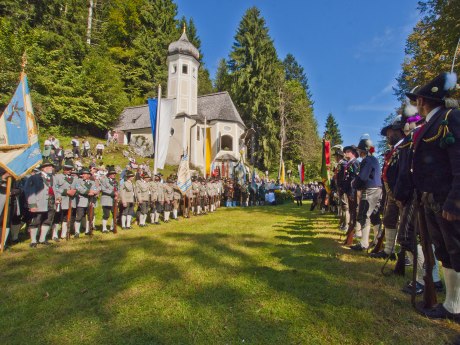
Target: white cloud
x=371, y=107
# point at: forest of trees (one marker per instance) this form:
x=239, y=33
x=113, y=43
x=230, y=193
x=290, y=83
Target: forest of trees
x=88, y=59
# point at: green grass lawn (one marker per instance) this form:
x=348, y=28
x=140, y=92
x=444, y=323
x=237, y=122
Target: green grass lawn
x=263, y=275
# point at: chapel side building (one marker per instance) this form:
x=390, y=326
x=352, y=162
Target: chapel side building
x=190, y=112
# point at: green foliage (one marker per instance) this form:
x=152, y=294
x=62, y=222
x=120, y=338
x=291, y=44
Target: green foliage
x=222, y=80
x=294, y=71
x=283, y=196
x=430, y=47
x=332, y=131
x=257, y=77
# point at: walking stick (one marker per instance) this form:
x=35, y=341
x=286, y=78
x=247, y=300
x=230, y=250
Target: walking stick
x=90, y=216
x=9, y=181
x=115, y=215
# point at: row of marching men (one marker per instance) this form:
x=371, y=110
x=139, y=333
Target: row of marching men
x=421, y=195
x=58, y=204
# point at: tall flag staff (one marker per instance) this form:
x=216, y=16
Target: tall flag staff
x=19, y=147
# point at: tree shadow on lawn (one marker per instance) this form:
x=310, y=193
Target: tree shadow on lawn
x=191, y=287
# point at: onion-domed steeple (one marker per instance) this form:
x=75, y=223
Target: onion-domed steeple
x=183, y=46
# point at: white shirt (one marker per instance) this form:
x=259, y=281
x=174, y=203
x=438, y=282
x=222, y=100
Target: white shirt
x=431, y=113
x=99, y=146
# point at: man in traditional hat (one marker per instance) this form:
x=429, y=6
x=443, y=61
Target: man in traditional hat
x=351, y=169
x=156, y=199
x=142, y=189
x=203, y=197
x=436, y=175
x=65, y=188
x=177, y=199
x=87, y=190
x=39, y=193
x=168, y=198
x=109, y=197
x=339, y=173
x=368, y=182
x=394, y=132
x=127, y=196
x=196, y=206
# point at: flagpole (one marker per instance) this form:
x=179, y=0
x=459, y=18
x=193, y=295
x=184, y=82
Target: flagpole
x=184, y=137
x=157, y=125
x=6, y=211
x=205, y=155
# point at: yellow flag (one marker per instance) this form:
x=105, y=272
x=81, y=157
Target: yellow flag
x=282, y=178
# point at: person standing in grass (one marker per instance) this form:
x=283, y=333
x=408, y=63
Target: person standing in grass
x=168, y=198
x=141, y=189
x=298, y=195
x=368, y=181
x=127, y=197
x=109, y=197
x=39, y=193
x=99, y=150
x=75, y=147
x=65, y=188
x=87, y=190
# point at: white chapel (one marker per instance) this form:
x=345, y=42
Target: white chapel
x=191, y=113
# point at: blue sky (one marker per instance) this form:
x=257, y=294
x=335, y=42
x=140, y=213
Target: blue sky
x=351, y=50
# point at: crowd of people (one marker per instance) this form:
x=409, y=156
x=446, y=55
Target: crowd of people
x=59, y=200
x=414, y=200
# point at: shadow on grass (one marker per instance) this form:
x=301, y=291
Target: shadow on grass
x=215, y=287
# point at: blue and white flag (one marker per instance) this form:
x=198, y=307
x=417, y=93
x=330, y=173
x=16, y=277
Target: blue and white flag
x=184, y=181
x=19, y=147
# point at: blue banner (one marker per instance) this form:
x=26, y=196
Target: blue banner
x=153, y=105
x=19, y=147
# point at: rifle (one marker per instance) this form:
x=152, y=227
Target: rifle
x=115, y=214
x=429, y=293
x=90, y=215
x=69, y=217
x=351, y=229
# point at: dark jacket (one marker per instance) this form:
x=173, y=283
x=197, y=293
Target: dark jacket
x=369, y=174
x=436, y=169
x=403, y=187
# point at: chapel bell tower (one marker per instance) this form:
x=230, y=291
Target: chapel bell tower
x=183, y=67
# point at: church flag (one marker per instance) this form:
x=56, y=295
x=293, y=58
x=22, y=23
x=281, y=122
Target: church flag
x=184, y=181
x=208, y=151
x=19, y=147
x=282, y=175
x=301, y=168
x=153, y=105
x=325, y=165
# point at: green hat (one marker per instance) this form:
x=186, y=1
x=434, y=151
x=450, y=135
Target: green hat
x=111, y=170
x=46, y=163
x=129, y=174
x=85, y=171
x=68, y=164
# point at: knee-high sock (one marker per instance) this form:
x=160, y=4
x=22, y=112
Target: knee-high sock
x=358, y=230
x=15, y=231
x=365, y=236
x=43, y=232
x=175, y=214
x=157, y=217
x=104, y=224
x=390, y=240
x=87, y=227
x=166, y=216
x=64, y=230
x=376, y=229
x=33, y=235
x=152, y=217
x=123, y=221
x=452, y=301
x=77, y=228
x=128, y=220
x=436, y=277
x=420, y=261
x=198, y=210
x=56, y=228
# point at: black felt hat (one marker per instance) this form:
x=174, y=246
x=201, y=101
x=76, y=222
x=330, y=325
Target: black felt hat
x=129, y=174
x=437, y=89
x=351, y=148
x=111, y=170
x=397, y=123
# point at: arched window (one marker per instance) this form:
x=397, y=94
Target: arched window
x=226, y=143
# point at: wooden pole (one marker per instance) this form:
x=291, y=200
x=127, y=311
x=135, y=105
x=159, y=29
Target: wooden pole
x=6, y=211
x=157, y=120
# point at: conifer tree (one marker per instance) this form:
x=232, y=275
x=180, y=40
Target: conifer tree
x=257, y=76
x=332, y=132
